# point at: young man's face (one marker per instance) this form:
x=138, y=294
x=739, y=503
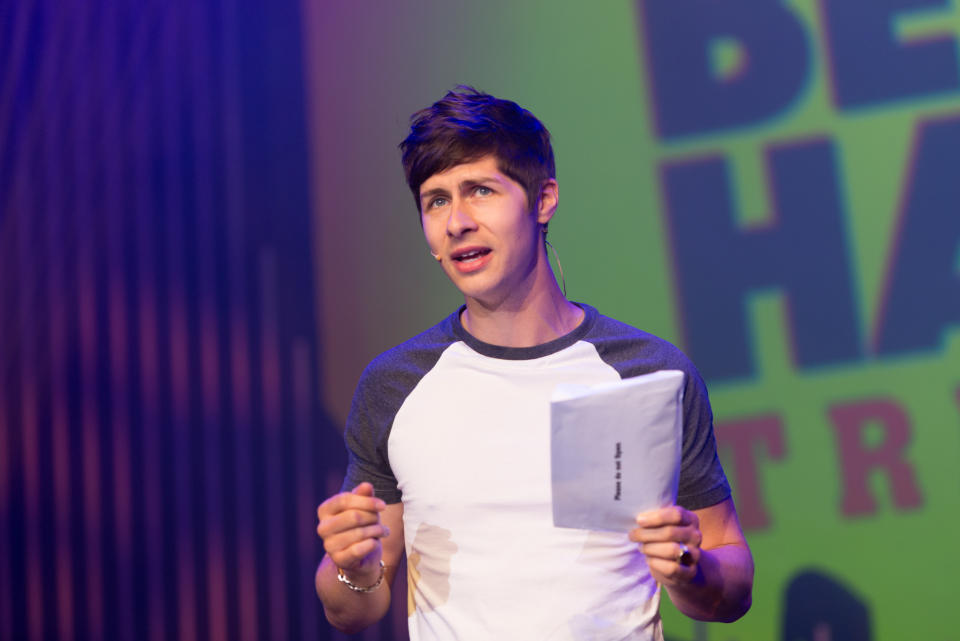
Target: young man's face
x=477, y=221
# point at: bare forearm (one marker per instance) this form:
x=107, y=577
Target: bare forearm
x=346, y=610
x=721, y=590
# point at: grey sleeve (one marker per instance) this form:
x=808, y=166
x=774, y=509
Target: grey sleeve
x=702, y=480
x=367, y=430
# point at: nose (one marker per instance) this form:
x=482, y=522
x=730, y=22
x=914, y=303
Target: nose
x=460, y=220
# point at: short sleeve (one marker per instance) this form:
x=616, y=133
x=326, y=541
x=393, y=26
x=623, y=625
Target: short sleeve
x=365, y=436
x=702, y=480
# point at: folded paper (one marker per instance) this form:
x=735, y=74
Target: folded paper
x=615, y=450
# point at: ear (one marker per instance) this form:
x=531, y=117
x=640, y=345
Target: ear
x=548, y=201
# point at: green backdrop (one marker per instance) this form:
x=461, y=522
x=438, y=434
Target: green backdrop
x=844, y=466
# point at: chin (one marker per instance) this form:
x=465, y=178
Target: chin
x=469, y=287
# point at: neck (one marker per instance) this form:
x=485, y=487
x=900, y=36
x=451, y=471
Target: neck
x=536, y=315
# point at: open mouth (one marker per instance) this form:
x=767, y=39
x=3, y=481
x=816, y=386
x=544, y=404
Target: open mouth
x=471, y=255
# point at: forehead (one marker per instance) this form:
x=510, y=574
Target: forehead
x=484, y=168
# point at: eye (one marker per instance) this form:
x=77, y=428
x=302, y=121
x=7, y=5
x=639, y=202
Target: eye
x=439, y=201
x=482, y=190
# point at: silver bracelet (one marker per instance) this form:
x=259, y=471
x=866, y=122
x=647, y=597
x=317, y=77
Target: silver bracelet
x=342, y=578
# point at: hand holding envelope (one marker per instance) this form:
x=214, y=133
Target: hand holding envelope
x=615, y=461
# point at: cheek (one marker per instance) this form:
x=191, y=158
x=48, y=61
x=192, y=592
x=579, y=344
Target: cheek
x=435, y=240
x=429, y=234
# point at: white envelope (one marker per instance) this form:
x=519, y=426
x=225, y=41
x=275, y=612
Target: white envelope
x=615, y=450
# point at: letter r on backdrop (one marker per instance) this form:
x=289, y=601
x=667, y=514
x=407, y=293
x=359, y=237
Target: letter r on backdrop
x=858, y=459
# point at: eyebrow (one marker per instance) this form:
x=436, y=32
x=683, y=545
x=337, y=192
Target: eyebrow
x=464, y=185
x=427, y=195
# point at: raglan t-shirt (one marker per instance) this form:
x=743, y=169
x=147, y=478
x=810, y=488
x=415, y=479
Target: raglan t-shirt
x=459, y=431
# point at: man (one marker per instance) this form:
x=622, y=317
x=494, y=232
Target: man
x=448, y=435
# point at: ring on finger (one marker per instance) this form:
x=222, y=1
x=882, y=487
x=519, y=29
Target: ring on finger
x=684, y=556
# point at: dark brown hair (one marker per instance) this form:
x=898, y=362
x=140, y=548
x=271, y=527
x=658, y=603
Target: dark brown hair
x=466, y=125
